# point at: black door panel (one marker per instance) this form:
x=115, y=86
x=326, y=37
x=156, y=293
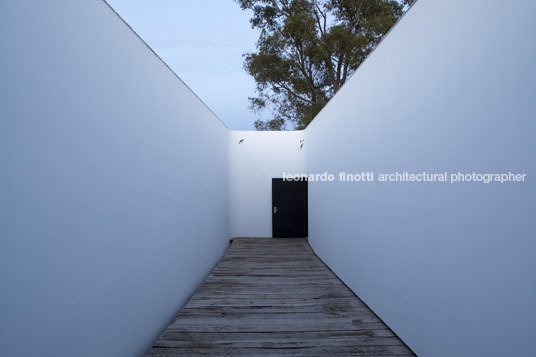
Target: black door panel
x=289, y=208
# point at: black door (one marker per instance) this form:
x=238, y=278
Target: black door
x=289, y=208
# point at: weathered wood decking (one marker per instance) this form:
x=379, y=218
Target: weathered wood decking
x=275, y=297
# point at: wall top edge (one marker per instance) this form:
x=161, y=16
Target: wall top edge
x=165, y=64
x=365, y=60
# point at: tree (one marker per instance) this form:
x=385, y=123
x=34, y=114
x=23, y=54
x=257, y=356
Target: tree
x=307, y=49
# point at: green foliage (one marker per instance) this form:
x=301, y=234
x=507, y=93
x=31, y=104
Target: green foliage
x=307, y=49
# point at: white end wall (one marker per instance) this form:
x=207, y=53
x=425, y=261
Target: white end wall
x=110, y=214
x=451, y=268
x=252, y=165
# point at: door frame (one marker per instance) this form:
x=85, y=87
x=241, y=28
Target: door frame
x=305, y=206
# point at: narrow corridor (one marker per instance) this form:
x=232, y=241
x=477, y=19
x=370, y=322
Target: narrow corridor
x=275, y=297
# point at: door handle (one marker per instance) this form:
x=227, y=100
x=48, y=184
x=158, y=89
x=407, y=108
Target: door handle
x=275, y=210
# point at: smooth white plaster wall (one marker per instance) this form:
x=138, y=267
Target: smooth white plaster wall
x=451, y=268
x=110, y=213
x=252, y=165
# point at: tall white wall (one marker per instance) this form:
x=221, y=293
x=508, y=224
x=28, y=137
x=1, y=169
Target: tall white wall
x=252, y=164
x=113, y=184
x=451, y=268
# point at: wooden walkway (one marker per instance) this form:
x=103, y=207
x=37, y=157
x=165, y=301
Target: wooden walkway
x=274, y=297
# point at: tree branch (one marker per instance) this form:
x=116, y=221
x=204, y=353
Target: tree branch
x=294, y=94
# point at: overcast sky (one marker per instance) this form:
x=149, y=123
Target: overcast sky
x=203, y=42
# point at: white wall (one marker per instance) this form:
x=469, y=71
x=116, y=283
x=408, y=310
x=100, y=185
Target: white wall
x=113, y=184
x=451, y=268
x=252, y=165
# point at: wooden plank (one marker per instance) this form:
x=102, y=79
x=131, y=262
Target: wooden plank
x=219, y=350
x=286, y=336
x=272, y=308
x=245, y=303
x=275, y=297
x=273, y=340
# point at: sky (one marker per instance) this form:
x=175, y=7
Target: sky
x=203, y=42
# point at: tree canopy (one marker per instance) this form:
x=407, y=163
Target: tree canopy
x=307, y=49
